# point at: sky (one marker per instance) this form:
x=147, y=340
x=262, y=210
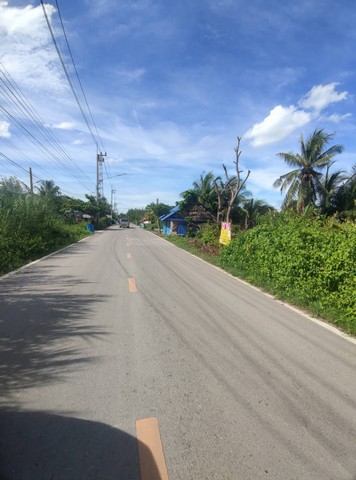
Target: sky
x=170, y=86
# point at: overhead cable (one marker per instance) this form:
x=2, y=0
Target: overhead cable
x=67, y=75
x=77, y=75
x=36, y=128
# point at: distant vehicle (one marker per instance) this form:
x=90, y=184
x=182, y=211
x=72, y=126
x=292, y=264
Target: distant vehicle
x=124, y=223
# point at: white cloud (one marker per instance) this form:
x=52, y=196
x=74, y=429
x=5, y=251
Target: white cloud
x=321, y=96
x=4, y=129
x=26, y=50
x=335, y=118
x=64, y=126
x=25, y=21
x=280, y=122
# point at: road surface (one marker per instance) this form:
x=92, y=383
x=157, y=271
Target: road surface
x=123, y=327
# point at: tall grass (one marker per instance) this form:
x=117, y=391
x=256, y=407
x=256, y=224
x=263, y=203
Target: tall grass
x=29, y=229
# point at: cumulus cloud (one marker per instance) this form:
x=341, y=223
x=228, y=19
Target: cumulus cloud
x=4, y=129
x=282, y=121
x=27, y=21
x=25, y=47
x=321, y=96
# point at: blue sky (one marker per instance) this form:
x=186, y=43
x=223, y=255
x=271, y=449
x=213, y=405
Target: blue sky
x=172, y=84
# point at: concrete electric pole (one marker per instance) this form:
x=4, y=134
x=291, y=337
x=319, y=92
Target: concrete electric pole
x=99, y=175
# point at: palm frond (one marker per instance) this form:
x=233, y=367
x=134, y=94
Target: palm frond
x=285, y=180
x=291, y=159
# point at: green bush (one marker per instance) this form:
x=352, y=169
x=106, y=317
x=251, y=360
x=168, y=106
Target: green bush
x=208, y=234
x=102, y=224
x=309, y=261
x=30, y=229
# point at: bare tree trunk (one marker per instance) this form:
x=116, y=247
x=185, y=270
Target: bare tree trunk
x=233, y=185
x=239, y=184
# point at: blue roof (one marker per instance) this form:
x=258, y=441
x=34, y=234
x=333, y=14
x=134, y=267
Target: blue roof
x=172, y=212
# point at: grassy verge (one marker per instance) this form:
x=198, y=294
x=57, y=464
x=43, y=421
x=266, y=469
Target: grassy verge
x=196, y=248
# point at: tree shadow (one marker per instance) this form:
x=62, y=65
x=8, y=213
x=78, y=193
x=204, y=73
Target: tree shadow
x=38, y=316
x=43, y=446
x=34, y=321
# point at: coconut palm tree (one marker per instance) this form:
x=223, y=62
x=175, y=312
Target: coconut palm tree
x=303, y=183
x=330, y=184
x=204, y=189
x=49, y=188
x=202, y=193
x=252, y=209
x=51, y=193
x=345, y=197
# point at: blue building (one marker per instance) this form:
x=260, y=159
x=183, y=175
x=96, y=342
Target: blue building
x=173, y=223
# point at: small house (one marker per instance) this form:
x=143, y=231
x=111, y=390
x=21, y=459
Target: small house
x=173, y=223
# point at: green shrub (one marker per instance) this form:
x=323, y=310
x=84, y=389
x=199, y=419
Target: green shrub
x=30, y=229
x=309, y=261
x=208, y=234
x=102, y=224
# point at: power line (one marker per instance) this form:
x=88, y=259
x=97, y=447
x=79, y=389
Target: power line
x=35, y=127
x=14, y=163
x=107, y=175
x=77, y=75
x=79, y=81
x=67, y=75
x=15, y=95
x=32, y=163
x=39, y=145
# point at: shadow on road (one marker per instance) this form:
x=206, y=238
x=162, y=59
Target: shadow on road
x=43, y=446
x=38, y=316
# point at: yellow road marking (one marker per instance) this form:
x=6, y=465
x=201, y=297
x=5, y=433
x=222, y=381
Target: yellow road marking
x=150, y=451
x=132, y=285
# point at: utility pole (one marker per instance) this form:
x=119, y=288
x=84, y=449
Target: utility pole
x=112, y=193
x=99, y=175
x=31, y=180
x=159, y=224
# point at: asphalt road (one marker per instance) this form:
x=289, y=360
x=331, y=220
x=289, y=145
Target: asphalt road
x=125, y=326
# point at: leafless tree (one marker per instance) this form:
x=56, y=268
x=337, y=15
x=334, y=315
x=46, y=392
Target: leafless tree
x=228, y=189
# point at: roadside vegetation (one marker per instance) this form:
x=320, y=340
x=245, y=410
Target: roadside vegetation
x=305, y=254
x=306, y=260
x=35, y=224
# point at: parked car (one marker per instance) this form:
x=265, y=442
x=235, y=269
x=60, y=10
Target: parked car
x=124, y=223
